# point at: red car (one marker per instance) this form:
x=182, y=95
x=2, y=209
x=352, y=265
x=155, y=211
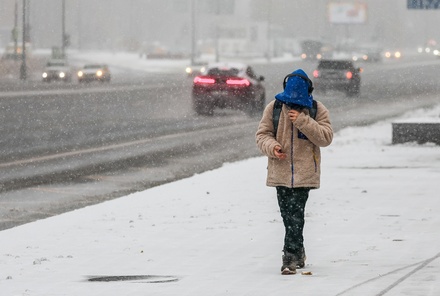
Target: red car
x=228, y=85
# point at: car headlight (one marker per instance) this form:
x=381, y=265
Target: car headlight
x=188, y=70
x=80, y=74
x=62, y=74
x=44, y=75
x=397, y=54
x=99, y=73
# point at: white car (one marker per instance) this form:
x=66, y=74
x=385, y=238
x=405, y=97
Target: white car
x=94, y=72
x=57, y=70
x=196, y=69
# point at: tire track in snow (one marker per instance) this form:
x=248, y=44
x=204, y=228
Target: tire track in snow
x=420, y=265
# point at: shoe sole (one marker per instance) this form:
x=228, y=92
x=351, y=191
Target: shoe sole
x=287, y=271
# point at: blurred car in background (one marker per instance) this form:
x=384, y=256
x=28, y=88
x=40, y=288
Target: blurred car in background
x=94, y=72
x=393, y=54
x=196, y=69
x=430, y=47
x=15, y=51
x=359, y=56
x=156, y=50
x=311, y=50
x=434, y=51
x=367, y=54
x=228, y=85
x=340, y=75
x=57, y=70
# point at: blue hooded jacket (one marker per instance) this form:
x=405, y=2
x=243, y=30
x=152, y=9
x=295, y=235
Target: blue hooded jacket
x=296, y=91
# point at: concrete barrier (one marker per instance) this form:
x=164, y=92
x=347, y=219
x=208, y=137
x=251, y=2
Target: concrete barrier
x=420, y=132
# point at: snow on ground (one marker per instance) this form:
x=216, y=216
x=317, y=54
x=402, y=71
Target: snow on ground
x=372, y=229
x=132, y=61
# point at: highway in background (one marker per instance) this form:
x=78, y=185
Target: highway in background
x=66, y=146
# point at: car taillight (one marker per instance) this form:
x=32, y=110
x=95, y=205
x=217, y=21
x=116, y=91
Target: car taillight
x=204, y=80
x=316, y=73
x=238, y=82
x=349, y=75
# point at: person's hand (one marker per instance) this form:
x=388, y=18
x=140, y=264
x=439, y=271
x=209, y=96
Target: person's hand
x=278, y=151
x=293, y=115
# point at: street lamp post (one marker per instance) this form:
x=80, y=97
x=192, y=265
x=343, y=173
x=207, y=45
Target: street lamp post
x=63, y=29
x=23, y=68
x=193, y=31
x=15, y=31
x=217, y=32
x=269, y=32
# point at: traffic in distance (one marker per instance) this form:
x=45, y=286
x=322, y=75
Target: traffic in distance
x=59, y=70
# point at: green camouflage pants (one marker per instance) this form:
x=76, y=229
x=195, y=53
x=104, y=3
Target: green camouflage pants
x=292, y=202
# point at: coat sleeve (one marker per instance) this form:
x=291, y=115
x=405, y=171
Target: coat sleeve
x=266, y=141
x=319, y=130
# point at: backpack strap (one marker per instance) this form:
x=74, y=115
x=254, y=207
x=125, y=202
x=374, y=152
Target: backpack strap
x=314, y=109
x=278, y=105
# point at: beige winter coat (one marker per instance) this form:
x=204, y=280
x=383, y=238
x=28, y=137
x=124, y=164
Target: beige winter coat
x=305, y=169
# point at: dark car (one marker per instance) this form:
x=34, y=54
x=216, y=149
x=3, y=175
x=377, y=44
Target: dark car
x=228, y=85
x=311, y=50
x=340, y=75
x=57, y=70
x=94, y=72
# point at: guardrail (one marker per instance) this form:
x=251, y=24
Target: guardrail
x=420, y=132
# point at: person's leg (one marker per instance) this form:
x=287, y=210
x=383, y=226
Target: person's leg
x=292, y=202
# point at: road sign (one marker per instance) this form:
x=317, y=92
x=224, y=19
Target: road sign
x=423, y=4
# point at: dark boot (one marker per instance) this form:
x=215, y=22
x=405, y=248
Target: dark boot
x=301, y=259
x=289, y=263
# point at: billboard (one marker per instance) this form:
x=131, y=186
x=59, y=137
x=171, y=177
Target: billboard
x=347, y=13
x=423, y=4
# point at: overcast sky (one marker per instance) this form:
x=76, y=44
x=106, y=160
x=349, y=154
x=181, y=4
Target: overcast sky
x=126, y=24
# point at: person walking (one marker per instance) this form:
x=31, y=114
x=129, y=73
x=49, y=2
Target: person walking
x=291, y=131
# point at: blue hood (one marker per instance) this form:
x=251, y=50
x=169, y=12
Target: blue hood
x=296, y=91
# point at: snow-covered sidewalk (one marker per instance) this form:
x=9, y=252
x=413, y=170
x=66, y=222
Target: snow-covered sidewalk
x=372, y=229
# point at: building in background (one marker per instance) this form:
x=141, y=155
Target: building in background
x=233, y=27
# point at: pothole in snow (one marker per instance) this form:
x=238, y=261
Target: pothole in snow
x=134, y=278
